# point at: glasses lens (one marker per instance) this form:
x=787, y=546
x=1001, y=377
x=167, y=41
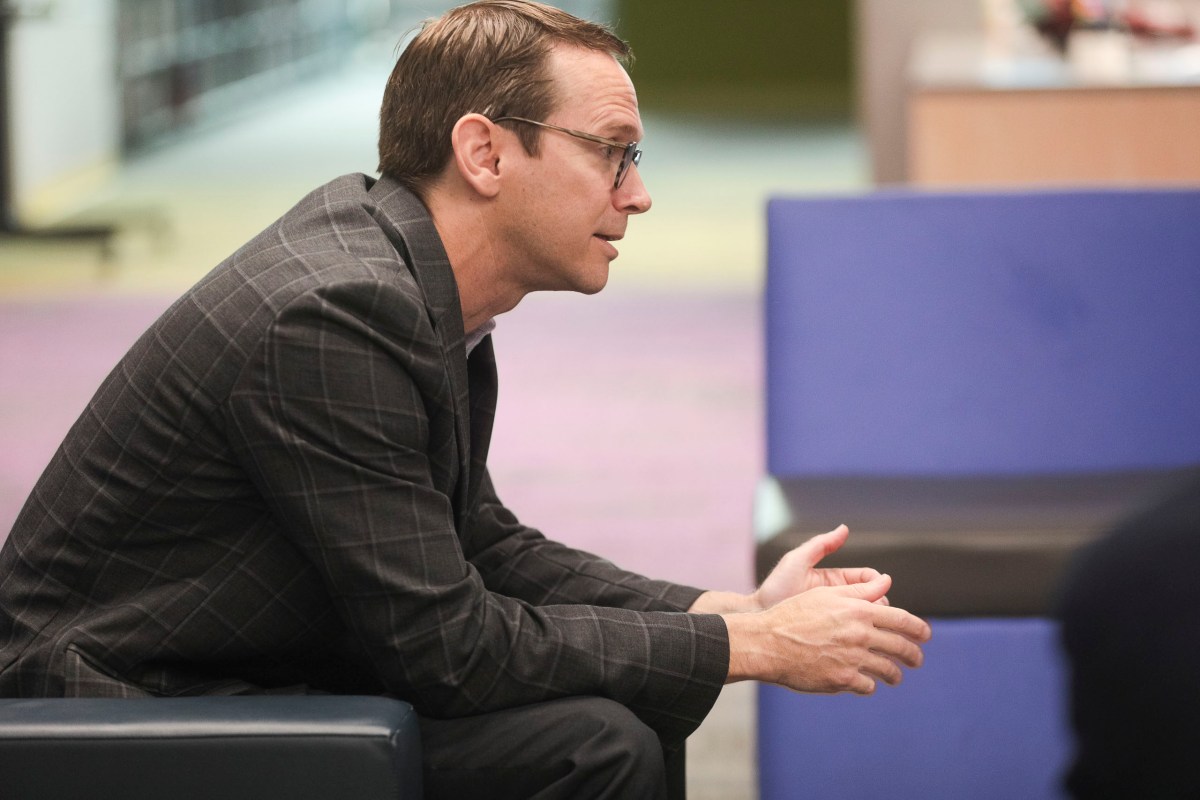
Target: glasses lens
x=631, y=156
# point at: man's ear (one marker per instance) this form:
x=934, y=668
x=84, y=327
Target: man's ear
x=477, y=148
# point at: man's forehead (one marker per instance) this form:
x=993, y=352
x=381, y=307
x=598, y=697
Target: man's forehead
x=595, y=90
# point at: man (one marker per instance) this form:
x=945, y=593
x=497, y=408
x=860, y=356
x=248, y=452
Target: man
x=1131, y=633
x=283, y=485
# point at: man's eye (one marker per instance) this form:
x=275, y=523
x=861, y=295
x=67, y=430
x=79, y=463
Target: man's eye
x=609, y=152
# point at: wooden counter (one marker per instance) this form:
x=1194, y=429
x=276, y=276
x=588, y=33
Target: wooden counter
x=975, y=120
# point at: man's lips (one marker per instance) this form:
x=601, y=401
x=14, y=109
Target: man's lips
x=608, y=240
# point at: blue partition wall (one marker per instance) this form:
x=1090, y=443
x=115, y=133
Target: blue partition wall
x=947, y=335
x=956, y=728
x=951, y=334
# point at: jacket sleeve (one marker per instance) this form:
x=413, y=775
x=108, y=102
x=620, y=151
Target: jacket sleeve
x=340, y=417
x=519, y=561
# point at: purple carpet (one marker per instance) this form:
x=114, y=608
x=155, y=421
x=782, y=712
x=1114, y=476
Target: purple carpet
x=629, y=424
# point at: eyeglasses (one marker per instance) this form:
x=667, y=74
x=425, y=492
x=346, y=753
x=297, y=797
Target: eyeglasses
x=630, y=154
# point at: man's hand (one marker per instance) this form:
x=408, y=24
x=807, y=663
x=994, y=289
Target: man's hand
x=828, y=639
x=797, y=571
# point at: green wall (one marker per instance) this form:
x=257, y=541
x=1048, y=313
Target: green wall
x=762, y=58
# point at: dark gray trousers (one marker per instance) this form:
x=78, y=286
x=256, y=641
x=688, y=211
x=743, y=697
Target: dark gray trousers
x=577, y=747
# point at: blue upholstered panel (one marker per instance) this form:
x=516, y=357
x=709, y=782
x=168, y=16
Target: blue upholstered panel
x=993, y=333
x=982, y=334
x=984, y=719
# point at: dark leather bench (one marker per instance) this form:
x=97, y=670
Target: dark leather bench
x=203, y=748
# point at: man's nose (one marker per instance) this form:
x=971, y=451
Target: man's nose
x=632, y=197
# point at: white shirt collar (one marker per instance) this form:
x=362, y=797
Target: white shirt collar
x=476, y=336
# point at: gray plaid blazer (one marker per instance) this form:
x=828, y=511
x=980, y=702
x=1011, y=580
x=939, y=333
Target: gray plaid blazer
x=283, y=487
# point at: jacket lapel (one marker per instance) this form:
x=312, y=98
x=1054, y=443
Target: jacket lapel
x=410, y=227
x=481, y=368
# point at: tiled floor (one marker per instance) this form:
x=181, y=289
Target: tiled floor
x=185, y=207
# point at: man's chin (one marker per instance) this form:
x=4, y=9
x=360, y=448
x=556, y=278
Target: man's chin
x=597, y=283
x=583, y=280
x=590, y=282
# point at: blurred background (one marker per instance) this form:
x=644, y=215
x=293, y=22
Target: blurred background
x=142, y=141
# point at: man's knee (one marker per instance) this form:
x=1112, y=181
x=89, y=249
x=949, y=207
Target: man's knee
x=615, y=744
x=614, y=726
x=569, y=748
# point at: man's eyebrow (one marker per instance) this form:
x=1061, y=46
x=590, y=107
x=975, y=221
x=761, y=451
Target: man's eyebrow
x=622, y=132
x=619, y=131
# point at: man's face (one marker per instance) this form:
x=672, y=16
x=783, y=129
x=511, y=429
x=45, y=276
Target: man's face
x=565, y=213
